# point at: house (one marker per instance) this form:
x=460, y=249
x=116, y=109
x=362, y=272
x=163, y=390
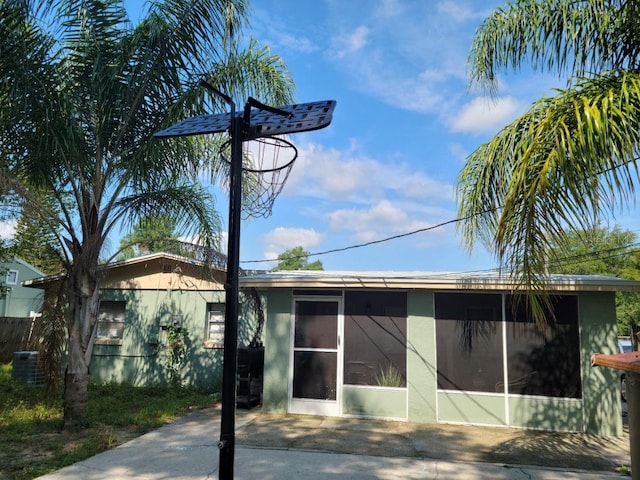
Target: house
x=140, y=299
x=18, y=307
x=440, y=347
x=20, y=301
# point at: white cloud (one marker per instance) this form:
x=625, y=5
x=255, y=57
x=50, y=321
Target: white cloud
x=296, y=43
x=458, y=12
x=458, y=151
x=292, y=237
x=412, y=58
x=484, y=115
x=351, y=176
x=353, y=42
x=8, y=229
x=389, y=8
x=379, y=221
x=280, y=34
x=280, y=239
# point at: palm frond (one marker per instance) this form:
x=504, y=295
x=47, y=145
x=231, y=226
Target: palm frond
x=564, y=36
x=190, y=204
x=566, y=163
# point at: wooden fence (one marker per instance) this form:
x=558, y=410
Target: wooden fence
x=14, y=335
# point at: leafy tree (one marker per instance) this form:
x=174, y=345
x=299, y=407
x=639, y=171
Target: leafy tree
x=297, y=259
x=149, y=234
x=601, y=251
x=82, y=90
x=571, y=159
x=36, y=242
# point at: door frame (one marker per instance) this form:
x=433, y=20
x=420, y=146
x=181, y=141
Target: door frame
x=312, y=406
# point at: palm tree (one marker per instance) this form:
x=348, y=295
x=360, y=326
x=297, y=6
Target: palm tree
x=571, y=159
x=82, y=92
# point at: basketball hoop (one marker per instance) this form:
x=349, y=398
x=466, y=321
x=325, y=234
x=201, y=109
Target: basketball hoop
x=266, y=165
x=266, y=175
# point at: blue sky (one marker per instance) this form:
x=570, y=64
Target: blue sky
x=404, y=123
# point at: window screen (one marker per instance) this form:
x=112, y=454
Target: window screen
x=375, y=338
x=544, y=359
x=469, y=341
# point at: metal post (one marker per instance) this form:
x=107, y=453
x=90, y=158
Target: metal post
x=299, y=118
x=633, y=417
x=229, y=369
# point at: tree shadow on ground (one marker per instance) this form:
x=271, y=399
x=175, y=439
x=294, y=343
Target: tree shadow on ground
x=462, y=443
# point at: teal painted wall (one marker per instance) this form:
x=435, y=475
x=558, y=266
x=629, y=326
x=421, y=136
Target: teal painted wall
x=600, y=385
x=546, y=413
x=20, y=301
x=598, y=412
x=390, y=403
x=140, y=358
x=277, y=344
x=462, y=407
x=421, y=357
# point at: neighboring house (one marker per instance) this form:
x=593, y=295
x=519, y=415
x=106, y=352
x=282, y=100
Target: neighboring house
x=18, y=308
x=140, y=297
x=20, y=301
x=429, y=347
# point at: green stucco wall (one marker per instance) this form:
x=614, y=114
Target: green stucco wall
x=389, y=403
x=421, y=357
x=19, y=301
x=598, y=412
x=546, y=413
x=140, y=358
x=462, y=407
x=600, y=385
x=277, y=343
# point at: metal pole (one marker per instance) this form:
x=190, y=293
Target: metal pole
x=229, y=369
x=633, y=417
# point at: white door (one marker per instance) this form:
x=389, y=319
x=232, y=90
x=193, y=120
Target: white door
x=316, y=373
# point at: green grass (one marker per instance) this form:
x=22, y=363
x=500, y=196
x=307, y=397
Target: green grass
x=30, y=421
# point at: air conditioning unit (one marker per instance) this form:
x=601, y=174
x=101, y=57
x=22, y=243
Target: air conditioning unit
x=25, y=368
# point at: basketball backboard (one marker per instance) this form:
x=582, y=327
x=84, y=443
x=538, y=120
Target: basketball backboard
x=303, y=117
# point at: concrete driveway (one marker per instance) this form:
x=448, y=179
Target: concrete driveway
x=310, y=448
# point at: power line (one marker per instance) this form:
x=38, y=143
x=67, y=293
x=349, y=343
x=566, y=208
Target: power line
x=595, y=255
x=373, y=242
x=572, y=259
x=420, y=230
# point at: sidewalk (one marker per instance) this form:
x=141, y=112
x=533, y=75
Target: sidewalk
x=277, y=447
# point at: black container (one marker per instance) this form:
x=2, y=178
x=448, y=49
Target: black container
x=250, y=370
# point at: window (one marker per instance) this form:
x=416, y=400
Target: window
x=215, y=325
x=375, y=338
x=111, y=320
x=12, y=277
x=544, y=359
x=469, y=341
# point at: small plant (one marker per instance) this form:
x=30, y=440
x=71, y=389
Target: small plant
x=176, y=352
x=624, y=470
x=390, y=377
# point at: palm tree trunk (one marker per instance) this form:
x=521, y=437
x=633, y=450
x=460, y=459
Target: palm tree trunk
x=83, y=323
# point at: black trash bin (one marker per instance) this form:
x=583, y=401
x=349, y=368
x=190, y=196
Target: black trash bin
x=249, y=380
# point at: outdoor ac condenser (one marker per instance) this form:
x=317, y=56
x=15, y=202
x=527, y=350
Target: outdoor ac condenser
x=25, y=368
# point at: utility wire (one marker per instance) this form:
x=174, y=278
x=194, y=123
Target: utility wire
x=572, y=259
x=373, y=242
x=414, y=232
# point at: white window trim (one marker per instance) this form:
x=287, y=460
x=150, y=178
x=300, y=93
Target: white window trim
x=214, y=309
x=15, y=273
